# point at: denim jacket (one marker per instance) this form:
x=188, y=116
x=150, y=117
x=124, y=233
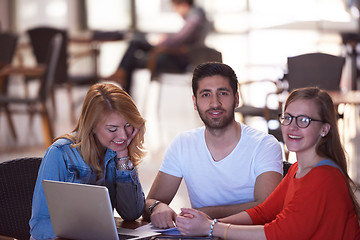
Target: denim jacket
x=64, y=163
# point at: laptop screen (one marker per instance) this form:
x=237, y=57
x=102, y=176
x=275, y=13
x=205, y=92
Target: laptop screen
x=82, y=211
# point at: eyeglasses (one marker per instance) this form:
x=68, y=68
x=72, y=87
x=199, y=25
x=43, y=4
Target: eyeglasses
x=301, y=121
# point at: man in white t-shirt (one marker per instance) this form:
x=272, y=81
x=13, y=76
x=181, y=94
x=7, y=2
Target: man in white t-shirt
x=227, y=166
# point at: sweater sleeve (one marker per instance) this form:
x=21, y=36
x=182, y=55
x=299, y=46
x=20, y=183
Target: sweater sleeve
x=130, y=199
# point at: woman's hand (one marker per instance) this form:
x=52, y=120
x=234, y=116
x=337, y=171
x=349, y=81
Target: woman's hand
x=136, y=130
x=125, y=152
x=192, y=222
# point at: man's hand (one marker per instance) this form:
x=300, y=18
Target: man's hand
x=163, y=216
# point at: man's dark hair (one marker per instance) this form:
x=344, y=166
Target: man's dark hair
x=190, y=2
x=211, y=69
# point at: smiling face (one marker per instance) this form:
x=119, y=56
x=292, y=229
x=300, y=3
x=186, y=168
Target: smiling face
x=113, y=132
x=304, y=140
x=215, y=102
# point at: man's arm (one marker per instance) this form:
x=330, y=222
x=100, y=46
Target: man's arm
x=264, y=185
x=163, y=189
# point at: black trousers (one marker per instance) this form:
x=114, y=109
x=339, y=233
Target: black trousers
x=137, y=55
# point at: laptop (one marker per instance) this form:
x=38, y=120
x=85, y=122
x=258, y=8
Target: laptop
x=81, y=211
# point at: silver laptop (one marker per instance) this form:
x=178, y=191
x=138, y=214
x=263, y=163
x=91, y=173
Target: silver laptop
x=81, y=211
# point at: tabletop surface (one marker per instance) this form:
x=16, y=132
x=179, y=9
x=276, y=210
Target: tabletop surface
x=137, y=223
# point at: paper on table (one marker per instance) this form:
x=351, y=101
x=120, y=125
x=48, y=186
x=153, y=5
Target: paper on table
x=167, y=231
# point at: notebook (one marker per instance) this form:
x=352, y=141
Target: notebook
x=81, y=211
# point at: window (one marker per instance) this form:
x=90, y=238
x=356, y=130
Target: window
x=108, y=14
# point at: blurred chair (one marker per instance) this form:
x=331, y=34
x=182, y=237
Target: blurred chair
x=8, y=43
x=38, y=103
x=315, y=69
x=248, y=110
x=286, y=167
x=195, y=55
x=312, y=69
x=40, y=38
x=17, y=182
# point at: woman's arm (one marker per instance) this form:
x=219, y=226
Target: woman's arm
x=130, y=199
x=51, y=168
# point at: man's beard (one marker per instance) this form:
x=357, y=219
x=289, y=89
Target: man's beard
x=217, y=123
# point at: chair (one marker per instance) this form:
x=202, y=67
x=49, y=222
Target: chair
x=37, y=104
x=195, y=55
x=286, y=167
x=247, y=110
x=312, y=69
x=17, y=182
x=40, y=38
x=315, y=69
x=8, y=43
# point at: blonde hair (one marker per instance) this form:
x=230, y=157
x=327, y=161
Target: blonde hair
x=103, y=99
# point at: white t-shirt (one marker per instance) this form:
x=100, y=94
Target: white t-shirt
x=226, y=182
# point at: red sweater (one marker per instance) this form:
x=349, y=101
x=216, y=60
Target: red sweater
x=316, y=206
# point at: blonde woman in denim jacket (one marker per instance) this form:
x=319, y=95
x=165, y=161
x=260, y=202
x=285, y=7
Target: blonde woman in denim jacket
x=104, y=149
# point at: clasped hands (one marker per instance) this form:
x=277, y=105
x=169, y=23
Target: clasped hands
x=190, y=222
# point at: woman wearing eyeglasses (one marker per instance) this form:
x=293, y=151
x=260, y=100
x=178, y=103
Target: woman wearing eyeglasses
x=314, y=201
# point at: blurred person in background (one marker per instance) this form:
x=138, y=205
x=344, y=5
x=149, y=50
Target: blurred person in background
x=168, y=48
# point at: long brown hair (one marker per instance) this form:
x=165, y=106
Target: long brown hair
x=329, y=146
x=103, y=99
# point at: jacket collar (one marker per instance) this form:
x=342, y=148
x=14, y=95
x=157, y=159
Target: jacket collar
x=109, y=155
